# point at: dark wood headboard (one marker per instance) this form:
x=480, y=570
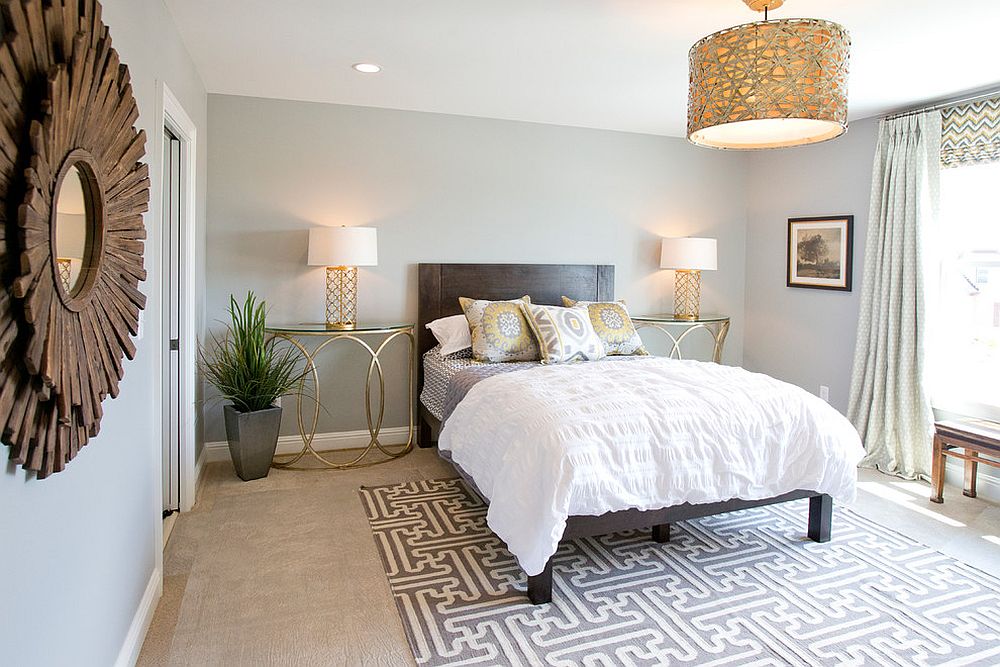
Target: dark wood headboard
x=440, y=285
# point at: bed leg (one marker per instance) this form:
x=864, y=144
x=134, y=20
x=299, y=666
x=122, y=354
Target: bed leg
x=820, y=517
x=425, y=438
x=661, y=533
x=540, y=585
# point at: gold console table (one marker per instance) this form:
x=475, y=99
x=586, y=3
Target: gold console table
x=716, y=325
x=360, y=334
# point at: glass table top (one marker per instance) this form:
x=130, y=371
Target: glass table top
x=320, y=328
x=669, y=318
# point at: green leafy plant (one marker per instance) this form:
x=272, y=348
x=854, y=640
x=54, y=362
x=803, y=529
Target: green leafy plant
x=247, y=366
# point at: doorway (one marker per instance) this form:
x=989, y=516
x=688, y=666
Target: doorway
x=172, y=202
x=178, y=343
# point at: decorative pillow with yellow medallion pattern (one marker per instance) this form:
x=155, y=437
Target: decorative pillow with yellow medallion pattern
x=613, y=325
x=564, y=334
x=499, y=331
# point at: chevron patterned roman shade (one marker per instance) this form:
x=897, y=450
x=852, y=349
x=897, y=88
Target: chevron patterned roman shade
x=970, y=133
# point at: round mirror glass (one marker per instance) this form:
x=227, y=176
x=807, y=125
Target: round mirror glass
x=74, y=231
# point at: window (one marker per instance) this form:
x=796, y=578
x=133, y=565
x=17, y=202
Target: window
x=964, y=341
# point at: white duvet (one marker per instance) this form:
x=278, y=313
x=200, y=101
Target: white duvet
x=584, y=439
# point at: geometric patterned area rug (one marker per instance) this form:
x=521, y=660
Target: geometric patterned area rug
x=740, y=588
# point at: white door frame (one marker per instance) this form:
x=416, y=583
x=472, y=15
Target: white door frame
x=176, y=118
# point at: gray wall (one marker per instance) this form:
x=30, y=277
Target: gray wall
x=805, y=336
x=78, y=549
x=445, y=188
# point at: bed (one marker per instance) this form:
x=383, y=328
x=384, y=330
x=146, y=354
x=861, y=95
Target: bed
x=440, y=285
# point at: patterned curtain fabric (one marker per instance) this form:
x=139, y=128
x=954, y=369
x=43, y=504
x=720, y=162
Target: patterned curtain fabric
x=888, y=404
x=970, y=133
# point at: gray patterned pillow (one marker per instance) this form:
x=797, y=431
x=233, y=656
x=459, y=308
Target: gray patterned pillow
x=499, y=331
x=614, y=326
x=564, y=334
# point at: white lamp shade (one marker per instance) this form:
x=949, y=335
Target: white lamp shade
x=688, y=254
x=343, y=246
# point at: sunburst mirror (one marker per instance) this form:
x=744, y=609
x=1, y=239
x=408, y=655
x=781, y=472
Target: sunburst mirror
x=72, y=196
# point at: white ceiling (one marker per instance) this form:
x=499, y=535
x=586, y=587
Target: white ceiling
x=613, y=64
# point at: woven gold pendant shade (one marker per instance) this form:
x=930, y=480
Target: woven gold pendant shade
x=769, y=84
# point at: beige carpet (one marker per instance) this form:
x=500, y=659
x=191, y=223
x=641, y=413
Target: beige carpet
x=284, y=571
x=281, y=571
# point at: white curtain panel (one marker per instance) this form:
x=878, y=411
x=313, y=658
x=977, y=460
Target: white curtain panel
x=888, y=403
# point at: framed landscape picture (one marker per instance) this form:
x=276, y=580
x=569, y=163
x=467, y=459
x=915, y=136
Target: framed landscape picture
x=820, y=251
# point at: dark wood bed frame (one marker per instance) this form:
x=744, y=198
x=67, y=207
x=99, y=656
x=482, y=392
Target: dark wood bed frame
x=440, y=285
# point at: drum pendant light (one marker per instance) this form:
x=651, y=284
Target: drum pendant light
x=769, y=84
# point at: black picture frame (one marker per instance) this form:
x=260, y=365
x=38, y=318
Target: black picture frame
x=844, y=265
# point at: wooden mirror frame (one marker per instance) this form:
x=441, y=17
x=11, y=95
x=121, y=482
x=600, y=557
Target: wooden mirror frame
x=65, y=99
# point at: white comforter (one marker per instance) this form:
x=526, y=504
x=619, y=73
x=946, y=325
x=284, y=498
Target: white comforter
x=590, y=438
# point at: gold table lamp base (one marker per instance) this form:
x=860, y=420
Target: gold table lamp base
x=65, y=267
x=687, y=294
x=341, y=297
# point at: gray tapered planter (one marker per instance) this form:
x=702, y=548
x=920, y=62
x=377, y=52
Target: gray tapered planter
x=253, y=437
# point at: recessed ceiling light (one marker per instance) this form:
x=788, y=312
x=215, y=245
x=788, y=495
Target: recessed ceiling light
x=367, y=68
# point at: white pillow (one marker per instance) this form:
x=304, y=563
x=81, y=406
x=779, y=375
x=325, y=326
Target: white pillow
x=452, y=333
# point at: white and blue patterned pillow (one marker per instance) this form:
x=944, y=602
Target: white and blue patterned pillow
x=563, y=334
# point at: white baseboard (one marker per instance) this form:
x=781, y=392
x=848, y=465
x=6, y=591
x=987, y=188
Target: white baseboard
x=129, y=653
x=291, y=444
x=987, y=483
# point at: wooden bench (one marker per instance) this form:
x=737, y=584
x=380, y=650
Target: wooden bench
x=974, y=437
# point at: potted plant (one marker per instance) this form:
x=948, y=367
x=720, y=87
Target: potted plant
x=251, y=371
